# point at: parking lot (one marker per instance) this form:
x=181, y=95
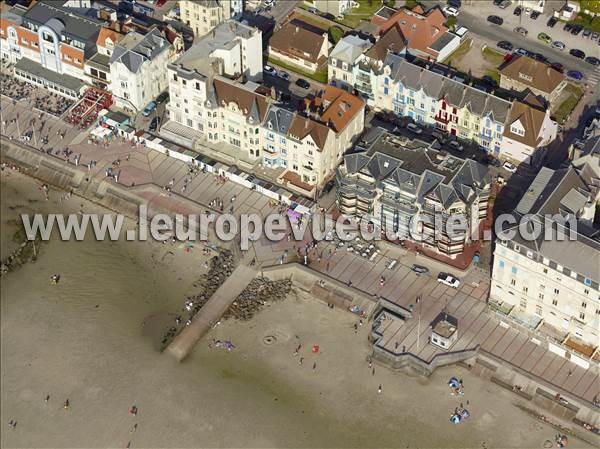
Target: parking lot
x=473, y=14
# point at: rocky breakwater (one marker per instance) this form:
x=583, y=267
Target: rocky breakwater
x=258, y=293
x=27, y=251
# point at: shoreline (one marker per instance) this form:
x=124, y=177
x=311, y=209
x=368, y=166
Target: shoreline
x=232, y=326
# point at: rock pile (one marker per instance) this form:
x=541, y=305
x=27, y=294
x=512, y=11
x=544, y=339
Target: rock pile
x=259, y=292
x=24, y=253
x=221, y=266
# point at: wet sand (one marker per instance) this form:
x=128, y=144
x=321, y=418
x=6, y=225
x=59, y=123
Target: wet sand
x=83, y=339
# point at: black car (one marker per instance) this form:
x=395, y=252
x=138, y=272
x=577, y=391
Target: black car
x=552, y=21
x=495, y=19
x=302, y=83
x=576, y=30
x=577, y=53
x=539, y=57
x=534, y=15
x=517, y=11
x=558, y=66
x=162, y=98
x=505, y=45
x=154, y=124
x=419, y=269
x=489, y=81
x=592, y=60
x=568, y=26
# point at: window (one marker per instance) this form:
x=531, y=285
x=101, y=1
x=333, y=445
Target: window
x=175, y=77
x=525, y=289
x=584, y=304
x=556, y=291
x=582, y=316
x=538, y=310
x=545, y=270
x=541, y=296
x=555, y=302
x=523, y=303
x=513, y=282
x=586, y=291
x=501, y=264
x=514, y=270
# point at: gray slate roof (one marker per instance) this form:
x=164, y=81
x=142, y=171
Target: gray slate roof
x=418, y=169
x=349, y=48
x=63, y=20
x=135, y=49
x=280, y=119
x=438, y=86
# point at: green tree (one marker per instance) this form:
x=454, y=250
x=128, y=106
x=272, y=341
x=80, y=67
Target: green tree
x=335, y=34
x=451, y=22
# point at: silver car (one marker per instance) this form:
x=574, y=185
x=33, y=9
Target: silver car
x=558, y=45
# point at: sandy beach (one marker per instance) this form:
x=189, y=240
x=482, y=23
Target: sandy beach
x=92, y=339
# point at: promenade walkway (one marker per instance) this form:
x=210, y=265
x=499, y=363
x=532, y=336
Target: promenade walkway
x=211, y=312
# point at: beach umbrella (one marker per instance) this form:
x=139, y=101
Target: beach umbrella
x=455, y=419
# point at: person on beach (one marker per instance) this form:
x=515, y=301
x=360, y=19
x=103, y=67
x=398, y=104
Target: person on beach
x=67, y=404
x=47, y=398
x=380, y=389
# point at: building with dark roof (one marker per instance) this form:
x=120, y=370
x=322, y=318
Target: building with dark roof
x=138, y=68
x=55, y=39
x=401, y=182
x=546, y=269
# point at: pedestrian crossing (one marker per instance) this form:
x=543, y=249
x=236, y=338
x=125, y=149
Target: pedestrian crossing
x=594, y=78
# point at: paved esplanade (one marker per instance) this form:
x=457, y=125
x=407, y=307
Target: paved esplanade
x=211, y=312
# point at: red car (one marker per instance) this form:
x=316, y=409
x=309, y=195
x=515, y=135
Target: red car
x=159, y=3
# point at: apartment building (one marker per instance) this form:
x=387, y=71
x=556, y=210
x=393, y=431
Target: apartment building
x=49, y=44
x=213, y=94
x=402, y=181
x=344, y=59
x=547, y=283
x=523, y=73
x=138, y=68
x=97, y=66
x=448, y=105
x=204, y=15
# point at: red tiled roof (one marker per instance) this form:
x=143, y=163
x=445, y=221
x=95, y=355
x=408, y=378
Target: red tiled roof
x=420, y=30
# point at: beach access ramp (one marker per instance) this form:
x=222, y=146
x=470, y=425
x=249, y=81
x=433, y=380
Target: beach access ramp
x=211, y=312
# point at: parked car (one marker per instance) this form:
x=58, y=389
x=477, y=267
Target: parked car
x=586, y=32
x=594, y=36
x=419, y=269
x=454, y=3
x=269, y=70
x=544, y=38
x=502, y=4
x=509, y=167
x=539, y=57
x=568, y=26
x=522, y=31
x=558, y=67
x=522, y=52
x=576, y=29
x=518, y=10
x=448, y=279
x=154, y=124
x=577, y=53
x=450, y=11
x=413, y=127
x=302, y=83
x=283, y=75
x=592, y=60
x=162, y=98
x=534, y=15
x=313, y=10
x=455, y=145
x=505, y=45
x=552, y=21
x=558, y=45
x=495, y=19
x=575, y=75
x=487, y=79
x=149, y=109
